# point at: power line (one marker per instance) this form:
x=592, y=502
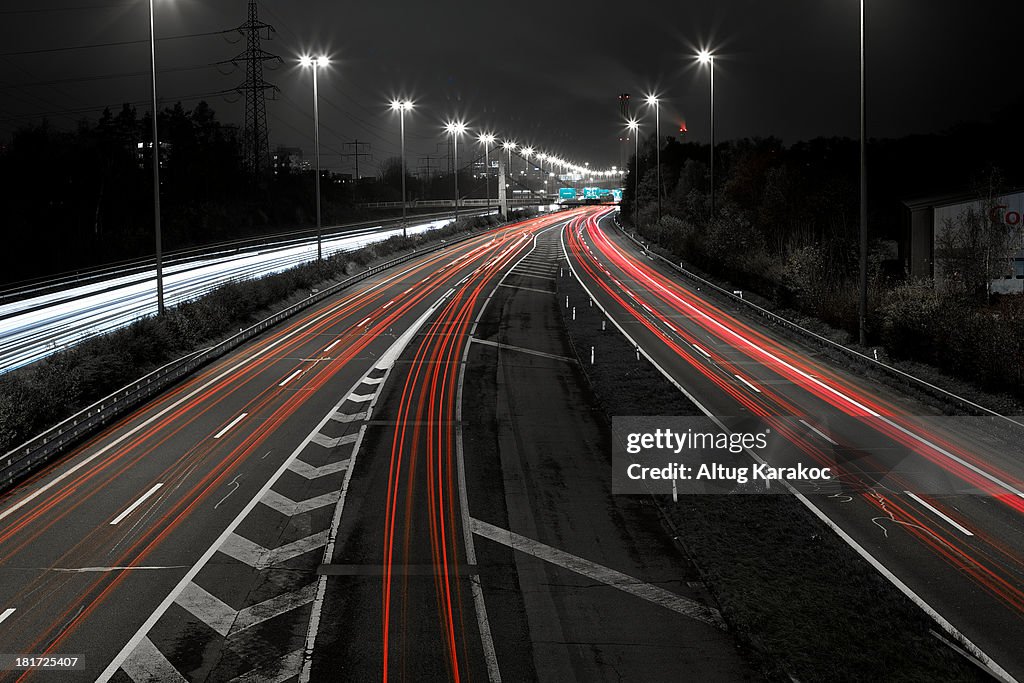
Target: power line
x=52, y=10
x=113, y=44
x=104, y=77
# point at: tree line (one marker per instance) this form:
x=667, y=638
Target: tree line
x=786, y=226
x=78, y=198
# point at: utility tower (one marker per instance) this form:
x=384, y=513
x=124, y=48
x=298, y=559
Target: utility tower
x=356, y=146
x=254, y=90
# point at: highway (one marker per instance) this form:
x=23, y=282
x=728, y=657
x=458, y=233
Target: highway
x=34, y=327
x=411, y=481
x=209, y=535
x=935, y=503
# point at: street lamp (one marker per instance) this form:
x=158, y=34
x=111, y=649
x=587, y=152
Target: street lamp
x=509, y=145
x=705, y=57
x=487, y=139
x=863, y=302
x=156, y=174
x=316, y=63
x=652, y=101
x=402, y=106
x=527, y=153
x=455, y=129
x=634, y=129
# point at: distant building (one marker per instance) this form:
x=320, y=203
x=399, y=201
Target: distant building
x=144, y=153
x=289, y=159
x=926, y=221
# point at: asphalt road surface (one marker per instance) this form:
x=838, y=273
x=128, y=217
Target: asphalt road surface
x=934, y=503
x=409, y=482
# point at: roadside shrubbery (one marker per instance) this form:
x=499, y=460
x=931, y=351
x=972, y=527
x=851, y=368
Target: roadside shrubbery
x=34, y=398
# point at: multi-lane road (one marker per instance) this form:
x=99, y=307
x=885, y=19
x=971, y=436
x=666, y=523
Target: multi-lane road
x=410, y=481
x=33, y=327
x=934, y=503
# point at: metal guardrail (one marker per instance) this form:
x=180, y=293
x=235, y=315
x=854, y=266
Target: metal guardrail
x=21, y=461
x=896, y=373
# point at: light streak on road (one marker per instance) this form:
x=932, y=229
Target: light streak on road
x=809, y=389
x=31, y=329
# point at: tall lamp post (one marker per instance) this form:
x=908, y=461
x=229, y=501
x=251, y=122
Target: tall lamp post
x=634, y=128
x=705, y=57
x=509, y=145
x=156, y=173
x=487, y=139
x=316, y=63
x=455, y=129
x=402, y=106
x=863, y=302
x=653, y=102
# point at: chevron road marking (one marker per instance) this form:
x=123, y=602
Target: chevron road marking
x=147, y=663
x=288, y=507
x=344, y=417
x=304, y=469
x=255, y=555
x=332, y=442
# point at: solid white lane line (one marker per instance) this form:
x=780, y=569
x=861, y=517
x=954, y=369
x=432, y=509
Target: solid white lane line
x=708, y=355
x=596, y=572
x=363, y=322
x=819, y=432
x=290, y=377
x=140, y=501
x=230, y=425
x=332, y=345
x=6, y=613
x=944, y=516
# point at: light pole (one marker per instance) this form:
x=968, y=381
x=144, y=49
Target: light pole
x=653, y=102
x=705, y=57
x=863, y=302
x=634, y=128
x=316, y=63
x=487, y=139
x=455, y=129
x=509, y=145
x=156, y=173
x=402, y=106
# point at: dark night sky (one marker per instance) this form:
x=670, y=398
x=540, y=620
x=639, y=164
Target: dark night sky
x=544, y=72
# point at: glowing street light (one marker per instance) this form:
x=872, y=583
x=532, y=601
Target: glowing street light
x=316, y=63
x=402, y=106
x=706, y=58
x=487, y=139
x=527, y=153
x=456, y=129
x=652, y=101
